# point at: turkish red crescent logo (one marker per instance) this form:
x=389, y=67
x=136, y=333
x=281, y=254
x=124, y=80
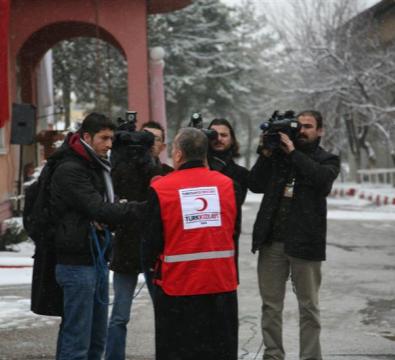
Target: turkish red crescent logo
x=204, y=203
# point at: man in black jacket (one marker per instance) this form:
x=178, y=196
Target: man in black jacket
x=82, y=202
x=159, y=146
x=223, y=151
x=290, y=231
x=131, y=181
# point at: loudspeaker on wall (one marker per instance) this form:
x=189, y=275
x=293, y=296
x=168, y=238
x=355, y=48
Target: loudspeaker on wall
x=23, y=127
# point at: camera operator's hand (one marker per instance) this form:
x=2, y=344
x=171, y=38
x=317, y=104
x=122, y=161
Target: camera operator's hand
x=264, y=152
x=286, y=143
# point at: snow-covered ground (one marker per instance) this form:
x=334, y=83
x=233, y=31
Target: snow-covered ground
x=358, y=269
x=16, y=266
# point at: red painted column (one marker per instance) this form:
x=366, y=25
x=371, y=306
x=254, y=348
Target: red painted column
x=4, y=35
x=157, y=90
x=136, y=49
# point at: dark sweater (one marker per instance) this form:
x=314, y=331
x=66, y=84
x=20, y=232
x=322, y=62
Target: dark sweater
x=315, y=170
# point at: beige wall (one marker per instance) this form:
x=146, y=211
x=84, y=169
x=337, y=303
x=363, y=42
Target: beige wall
x=8, y=166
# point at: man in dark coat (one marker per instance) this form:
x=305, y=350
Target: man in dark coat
x=82, y=202
x=131, y=177
x=223, y=151
x=290, y=231
x=159, y=146
x=194, y=317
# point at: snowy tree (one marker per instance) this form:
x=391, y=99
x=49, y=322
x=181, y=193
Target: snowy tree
x=214, y=61
x=334, y=61
x=94, y=71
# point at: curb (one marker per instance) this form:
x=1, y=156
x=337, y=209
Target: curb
x=15, y=266
x=373, y=197
x=13, y=262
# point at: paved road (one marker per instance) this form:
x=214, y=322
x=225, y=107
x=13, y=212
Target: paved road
x=357, y=301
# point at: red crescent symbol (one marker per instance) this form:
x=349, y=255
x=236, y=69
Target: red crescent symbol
x=205, y=203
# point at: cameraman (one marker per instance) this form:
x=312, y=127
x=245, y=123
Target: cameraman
x=290, y=230
x=131, y=182
x=223, y=150
x=157, y=130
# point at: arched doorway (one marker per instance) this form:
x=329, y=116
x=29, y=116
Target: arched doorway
x=35, y=26
x=121, y=23
x=41, y=41
x=28, y=58
x=89, y=74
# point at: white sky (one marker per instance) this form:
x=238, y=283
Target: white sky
x=281, y=5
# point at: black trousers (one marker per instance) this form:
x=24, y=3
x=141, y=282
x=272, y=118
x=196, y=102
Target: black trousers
x=199, y=327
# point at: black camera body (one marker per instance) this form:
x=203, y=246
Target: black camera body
x=130, y=145
x=129, y=123
x=285, y=122
x=197, y=123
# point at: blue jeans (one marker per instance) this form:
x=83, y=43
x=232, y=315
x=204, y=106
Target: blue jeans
x=82, y=334
x=124, y=286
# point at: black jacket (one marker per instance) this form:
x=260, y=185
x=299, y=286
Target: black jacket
x=314, y=172
x=131, y=181
x=77, y=199
x=224, y=163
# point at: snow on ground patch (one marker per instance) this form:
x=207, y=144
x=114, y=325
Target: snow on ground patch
x=15, y=313
x=15, y=276
x=253, y=198
x=15, y=310
x=368, y=215
x=16, y=262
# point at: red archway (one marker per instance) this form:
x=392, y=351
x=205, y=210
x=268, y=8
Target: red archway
x=120, y=22
x=41, y=41
x=35, y=26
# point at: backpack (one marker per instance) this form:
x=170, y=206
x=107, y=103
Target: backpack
x=46, y=294
x=37, y=219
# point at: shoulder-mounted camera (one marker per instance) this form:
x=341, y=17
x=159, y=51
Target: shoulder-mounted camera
x=284, y=122
x=130, y=144
x=197, y=123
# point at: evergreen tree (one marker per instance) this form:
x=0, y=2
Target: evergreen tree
x=214, y=61
x=94, y=71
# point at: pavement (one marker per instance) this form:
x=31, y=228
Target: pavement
x=357, y=300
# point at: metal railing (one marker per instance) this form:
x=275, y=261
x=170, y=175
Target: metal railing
x=377, y=176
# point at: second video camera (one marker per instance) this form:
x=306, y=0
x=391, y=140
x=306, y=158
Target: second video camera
x=285, y=122
x=129, y=144
x=197, y=122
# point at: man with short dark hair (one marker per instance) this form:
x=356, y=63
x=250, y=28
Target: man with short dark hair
x=131, y=182
x=290, y=231
x=159, y=145
x=191, y=241
x=82, y=202
x=222, y=152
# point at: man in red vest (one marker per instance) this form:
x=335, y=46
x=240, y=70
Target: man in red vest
x=191, y=241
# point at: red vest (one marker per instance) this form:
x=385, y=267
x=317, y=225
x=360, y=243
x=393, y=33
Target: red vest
x=198, y=210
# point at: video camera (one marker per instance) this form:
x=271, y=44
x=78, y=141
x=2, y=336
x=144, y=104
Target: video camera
x=197, y=123
x=279, y=122
x=129, y=123
x=129, y=144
